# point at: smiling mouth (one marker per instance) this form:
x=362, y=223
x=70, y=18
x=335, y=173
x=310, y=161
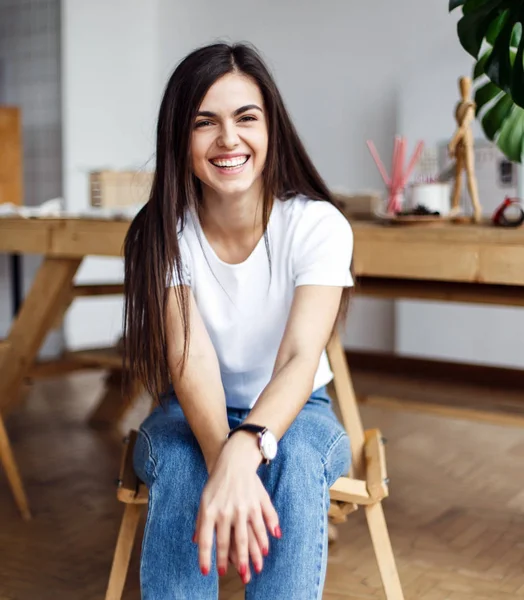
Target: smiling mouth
x=229, y=163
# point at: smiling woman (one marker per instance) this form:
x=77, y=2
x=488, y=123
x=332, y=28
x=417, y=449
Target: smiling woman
x=236, y=272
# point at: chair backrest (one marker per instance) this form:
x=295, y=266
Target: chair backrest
x=347, y=403
x=11, y=188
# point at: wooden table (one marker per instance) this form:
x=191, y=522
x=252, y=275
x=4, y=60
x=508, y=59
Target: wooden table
x=469, y=263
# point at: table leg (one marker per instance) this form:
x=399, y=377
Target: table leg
x=44, y=302
x=16, y=282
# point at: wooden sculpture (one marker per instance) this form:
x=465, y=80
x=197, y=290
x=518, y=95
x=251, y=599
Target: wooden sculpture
x=461, y=148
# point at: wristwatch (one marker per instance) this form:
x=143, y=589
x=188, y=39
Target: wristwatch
x=267, y=442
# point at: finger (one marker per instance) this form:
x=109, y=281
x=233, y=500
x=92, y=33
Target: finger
x=241, y=542
x=270, y=514
x=197, y=524
x=254, y=550
x=259, y=530
x=233, y=556
x=205, y=542
x=223, y=529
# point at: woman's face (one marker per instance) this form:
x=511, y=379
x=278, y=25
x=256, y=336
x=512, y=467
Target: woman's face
x=230, y=137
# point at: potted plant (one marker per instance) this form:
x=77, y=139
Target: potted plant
x=491, y=31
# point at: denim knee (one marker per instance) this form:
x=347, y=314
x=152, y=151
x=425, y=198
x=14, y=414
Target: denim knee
x=338, y=458
x=167, y=453
x=317, y=436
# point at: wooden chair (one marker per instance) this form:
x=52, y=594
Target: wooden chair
x=13, y=476
x=367, y=485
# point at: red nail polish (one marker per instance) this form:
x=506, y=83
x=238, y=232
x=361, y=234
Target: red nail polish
x=204, y=570
x=242, y=571
x=278, y=532
x=222, y=571
x=258, y=568
x=194, y=538
x=265, y=551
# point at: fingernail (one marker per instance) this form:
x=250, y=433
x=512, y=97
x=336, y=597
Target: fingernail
x=242, y=570
x=278, y=532
x=204, y=570
x=258, y=568
x=222, y=571
x=194, y=538
x=265, y=551
x=245, y=578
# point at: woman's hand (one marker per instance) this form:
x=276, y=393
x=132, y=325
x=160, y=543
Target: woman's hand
x=236, y=505
x=255, y=552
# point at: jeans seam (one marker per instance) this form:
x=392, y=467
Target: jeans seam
x=317, y=595
x=151, y=458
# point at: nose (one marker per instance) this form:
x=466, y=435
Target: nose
x=228, y=136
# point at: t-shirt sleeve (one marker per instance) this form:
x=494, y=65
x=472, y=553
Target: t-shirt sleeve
x=185, y=276
x=323, y=247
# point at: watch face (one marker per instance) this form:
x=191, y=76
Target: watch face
x=268, y=445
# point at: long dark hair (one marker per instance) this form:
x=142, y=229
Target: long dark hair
x=151, y=247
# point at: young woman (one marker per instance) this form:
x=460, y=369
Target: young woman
x=236, y=271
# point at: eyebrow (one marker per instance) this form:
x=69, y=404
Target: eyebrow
x=238, y=111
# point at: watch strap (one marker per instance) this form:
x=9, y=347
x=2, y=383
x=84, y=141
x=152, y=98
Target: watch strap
x=251, y=427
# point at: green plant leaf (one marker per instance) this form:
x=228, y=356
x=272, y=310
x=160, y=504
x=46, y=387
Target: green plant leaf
x=494, y=118
x=478, y=17
x=517, y=81
x=511, y=137
x=495, y=27
x=472, y=29
x=498, y=66
x=517, y=35
x=475, y=5
x=480, y=65
x=485, y=94
x=493, y=30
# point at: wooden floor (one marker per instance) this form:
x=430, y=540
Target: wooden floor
x=456, y=510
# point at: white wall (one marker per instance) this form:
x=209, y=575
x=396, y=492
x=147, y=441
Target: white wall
x=110, y=96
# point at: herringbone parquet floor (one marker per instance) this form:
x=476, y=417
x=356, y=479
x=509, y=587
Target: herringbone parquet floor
x=456, y=511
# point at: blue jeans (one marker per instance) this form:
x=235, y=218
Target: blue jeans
x=312, y=454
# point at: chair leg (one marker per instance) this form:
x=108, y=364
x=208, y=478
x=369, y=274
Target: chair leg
x=13, y=476
x=383, y=551
x=124, y=547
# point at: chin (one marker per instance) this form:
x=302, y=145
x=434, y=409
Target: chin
x=232, y=187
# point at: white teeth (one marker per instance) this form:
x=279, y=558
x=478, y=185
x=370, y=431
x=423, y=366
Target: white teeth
x=233, y=162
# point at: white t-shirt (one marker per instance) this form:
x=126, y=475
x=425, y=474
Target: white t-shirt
x=245, y=307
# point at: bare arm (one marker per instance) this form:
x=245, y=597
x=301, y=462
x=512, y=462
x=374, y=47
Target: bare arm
x=199, y=389
x=307, y=333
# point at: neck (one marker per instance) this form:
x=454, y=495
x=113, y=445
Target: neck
x=233, y=216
